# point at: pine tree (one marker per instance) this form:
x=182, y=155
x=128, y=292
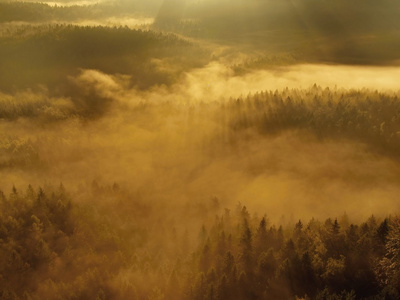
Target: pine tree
x=261, y=240
x=246, y=248
x=390, y=264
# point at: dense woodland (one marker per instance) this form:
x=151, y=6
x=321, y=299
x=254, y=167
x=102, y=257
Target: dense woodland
x=328, y=31
x=61, y=245
x=369, y=116
x=156, y=161
x=48, y=54
x=55, y=248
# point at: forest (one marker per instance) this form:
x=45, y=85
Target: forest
x=200, y=149
x=54, y=248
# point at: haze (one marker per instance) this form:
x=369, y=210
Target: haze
x=168, y=149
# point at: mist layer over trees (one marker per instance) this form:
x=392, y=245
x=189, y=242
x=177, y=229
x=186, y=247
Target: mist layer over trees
x=199, y=150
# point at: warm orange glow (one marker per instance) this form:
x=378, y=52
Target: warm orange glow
x=186, y=149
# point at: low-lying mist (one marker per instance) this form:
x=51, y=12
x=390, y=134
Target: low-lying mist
x=180, y=144
x=199, y=150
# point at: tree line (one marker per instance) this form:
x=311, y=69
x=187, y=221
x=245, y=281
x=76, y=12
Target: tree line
x=48, y=54
x=53, y=245
x=368, y=116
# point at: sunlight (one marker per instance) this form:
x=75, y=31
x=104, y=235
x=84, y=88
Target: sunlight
x=199, y=149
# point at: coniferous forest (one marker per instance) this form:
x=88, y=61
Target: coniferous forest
x=198, y=149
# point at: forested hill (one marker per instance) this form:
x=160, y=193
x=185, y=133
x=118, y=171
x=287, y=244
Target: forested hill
x=39, y=12
x=48, y=54
x=200, y=150
x=340, y=31
x=371, y=117
x=52, y=247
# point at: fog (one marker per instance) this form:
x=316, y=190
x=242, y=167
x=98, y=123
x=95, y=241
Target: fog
x=168, y=149
x=131, y=22
x=176, y=143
